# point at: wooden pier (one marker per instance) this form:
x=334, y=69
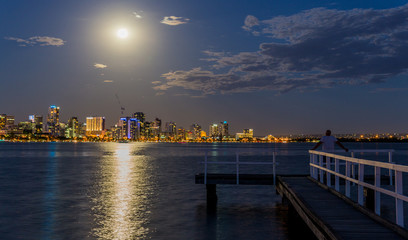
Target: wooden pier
x=333, y=216
x=318, y=199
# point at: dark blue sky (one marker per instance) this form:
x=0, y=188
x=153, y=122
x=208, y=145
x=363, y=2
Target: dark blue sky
x=279, y=67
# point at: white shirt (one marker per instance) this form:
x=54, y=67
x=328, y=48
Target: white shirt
x=328, y=143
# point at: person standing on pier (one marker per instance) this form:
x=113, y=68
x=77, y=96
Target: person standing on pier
x=328, y=142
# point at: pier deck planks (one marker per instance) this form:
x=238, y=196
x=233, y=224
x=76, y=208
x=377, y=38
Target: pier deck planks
x=329, y=216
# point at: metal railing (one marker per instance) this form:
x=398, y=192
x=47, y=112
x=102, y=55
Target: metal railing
x=237, y=164
x=354, y=151
x=318, y=167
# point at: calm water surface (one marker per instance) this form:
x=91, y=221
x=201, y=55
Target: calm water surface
x=142, y=191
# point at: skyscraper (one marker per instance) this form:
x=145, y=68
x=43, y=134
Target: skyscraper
x=36, y=123
x=214, y=131
x=9, y=121
x=139, y=116
x=53, y=121
x=141, y=130
x=3, y=118
x=156, y=127
x=219, y=131
x=171, y=129
x=224, y=129
x=73, y=129
x=196, y=130
x=95, y=126
x=129, y=127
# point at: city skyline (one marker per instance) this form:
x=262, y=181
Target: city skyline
x=47, y=124
x=277, y=67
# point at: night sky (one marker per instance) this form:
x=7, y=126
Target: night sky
x=279, y=67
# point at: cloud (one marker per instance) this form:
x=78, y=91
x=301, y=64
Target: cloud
x=314, y=49
x=137, y=14
x=38, y=40
x=100, y=65
x=174, y=21
x=249, y=23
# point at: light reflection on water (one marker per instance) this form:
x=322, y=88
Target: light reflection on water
x=121, y=208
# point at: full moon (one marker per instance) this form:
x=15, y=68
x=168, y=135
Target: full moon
x=122, y=33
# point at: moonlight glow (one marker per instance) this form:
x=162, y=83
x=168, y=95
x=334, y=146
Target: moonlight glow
x=122, y=33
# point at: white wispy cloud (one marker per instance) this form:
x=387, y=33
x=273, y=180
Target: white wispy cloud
x=38, y=40
x=138, y=14
x=174, y=21
x=100, y=65
x=314, y=49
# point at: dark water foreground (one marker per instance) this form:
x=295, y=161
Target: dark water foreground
x=141, y=191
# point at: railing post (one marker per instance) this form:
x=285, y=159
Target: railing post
x=399, y=204
x=205, y=167
x=337, y=170
x=320, y=170
x=377, y=194
x=237, y=162
x=315, y=173
x=360, y=187
x=353, y=172
x=390, y=171
x=310, y=164
x=348, y=165
x=328, y=175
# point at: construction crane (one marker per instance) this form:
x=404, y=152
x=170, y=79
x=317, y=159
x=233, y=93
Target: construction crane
x=121, y=107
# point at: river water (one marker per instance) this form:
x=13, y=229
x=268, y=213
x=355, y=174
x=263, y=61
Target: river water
x=144, y=190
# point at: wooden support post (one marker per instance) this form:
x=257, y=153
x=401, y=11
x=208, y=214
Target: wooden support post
x=360, y=187
x=377, y=197
x=348, y=166
x=390, y=161
x=353, y=172
x=399, y=207
x=211, y=195
x=337, y=179
x=328, y=175
x=315, y=170
x=320, y=170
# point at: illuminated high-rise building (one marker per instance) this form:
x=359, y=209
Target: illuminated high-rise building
x=53, y=122
x=3, y=118
x=130, y=127
x=9, y=121
x=95, y=126
x=140, y=116
x=36, y=123
x=73, y=128
x=215, y=131
x=247, y=133
x=196, y=130
x=171, y=129
x=155, y=127
x=181, y=134
x=224, y=129
x=219, y=131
